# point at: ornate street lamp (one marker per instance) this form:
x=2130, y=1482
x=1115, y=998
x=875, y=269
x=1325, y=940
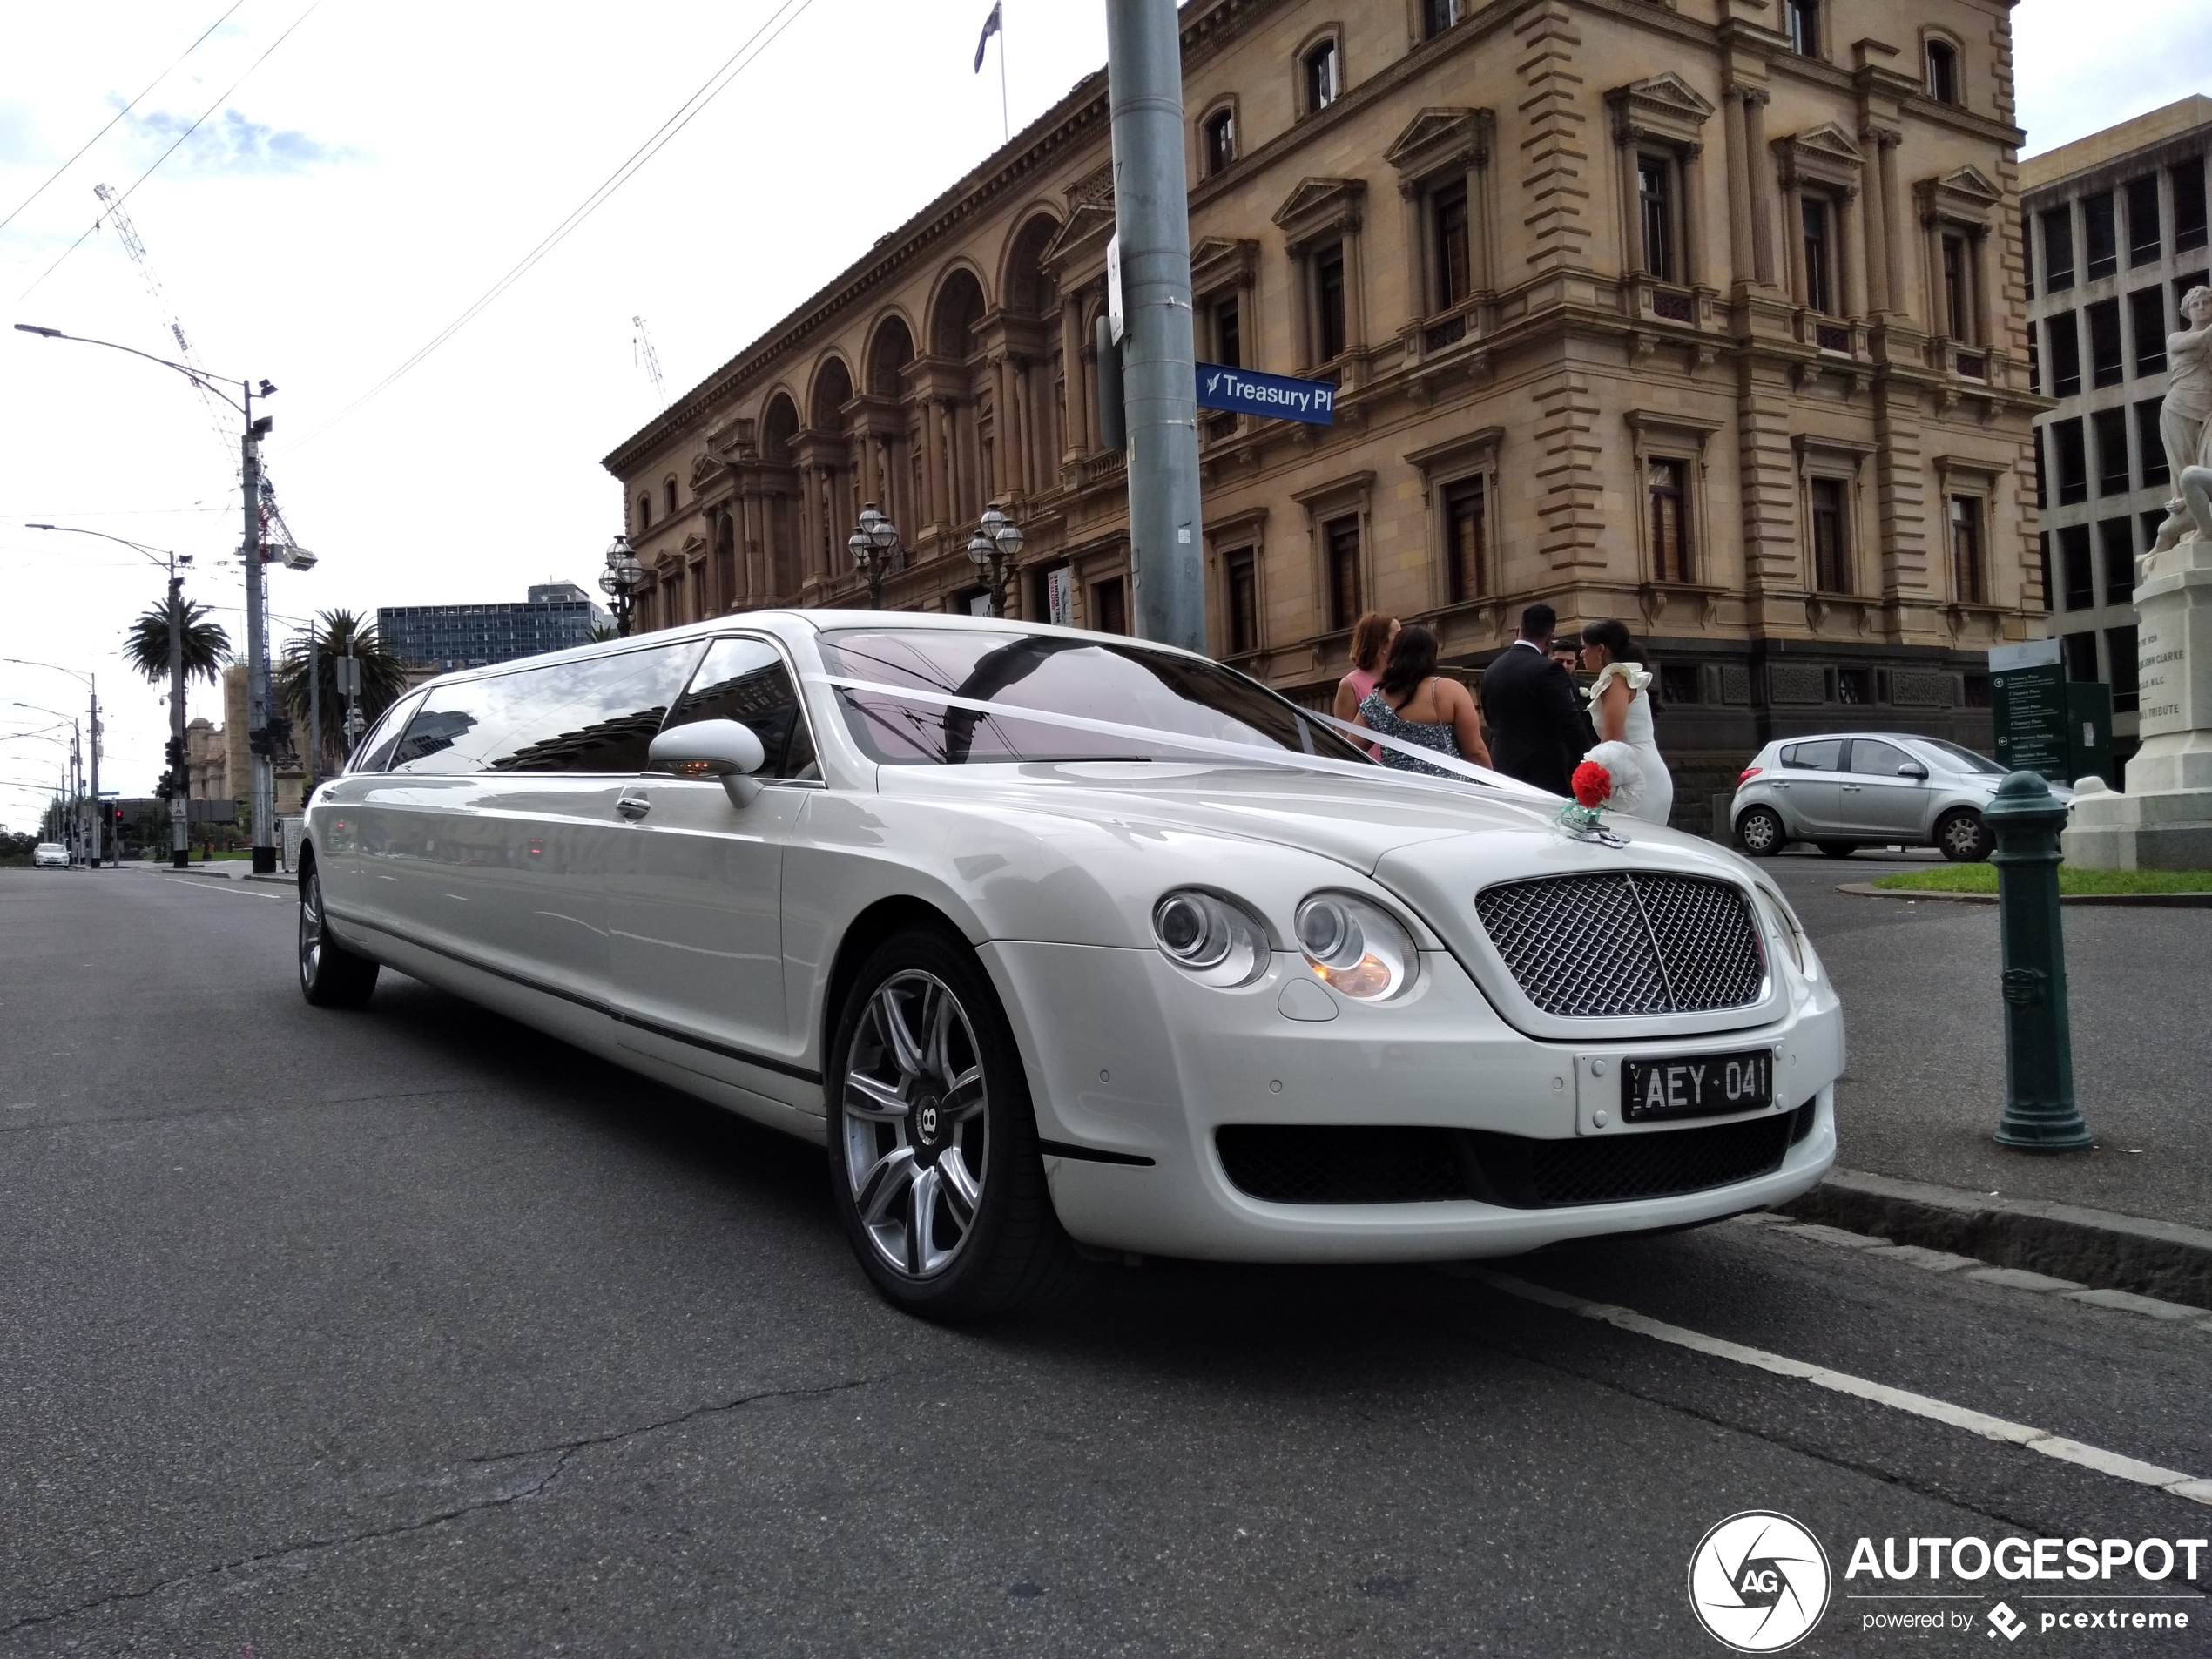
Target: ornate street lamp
x=620, y=579
x=993, y=548
x=875, y=547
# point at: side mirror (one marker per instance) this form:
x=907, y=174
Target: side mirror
x=1913, y=769
x=721, y=749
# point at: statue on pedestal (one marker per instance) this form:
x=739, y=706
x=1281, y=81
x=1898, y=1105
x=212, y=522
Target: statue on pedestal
x=2185, y=418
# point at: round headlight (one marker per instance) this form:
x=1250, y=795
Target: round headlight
x=1354, y=946
x=1210, y=937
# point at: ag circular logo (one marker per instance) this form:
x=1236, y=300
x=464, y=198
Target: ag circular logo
x=1759, y=1582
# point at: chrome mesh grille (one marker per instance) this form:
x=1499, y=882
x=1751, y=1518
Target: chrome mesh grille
x=1595, y=947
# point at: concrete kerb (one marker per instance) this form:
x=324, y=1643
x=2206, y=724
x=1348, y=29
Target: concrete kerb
x=280, y=878
x=2159, y=1259
x=2153, y=900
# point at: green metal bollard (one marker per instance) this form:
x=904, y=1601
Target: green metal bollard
x=2040, y=1113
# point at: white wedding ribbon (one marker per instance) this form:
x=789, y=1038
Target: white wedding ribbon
x=1249, y=752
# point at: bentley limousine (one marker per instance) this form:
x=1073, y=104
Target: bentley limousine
x=1064, y=944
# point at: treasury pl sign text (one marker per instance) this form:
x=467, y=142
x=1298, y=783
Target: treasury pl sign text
x=1282, y=396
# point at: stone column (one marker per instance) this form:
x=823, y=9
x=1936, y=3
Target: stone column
x=1851, y=256
x=1482, y=257
x=1761, y=159
x=1793, y=232
x=1890, y=213
x=1693, y=214
x=1627, y=208
x=1988, y=290
x=1932, y=244
x=1742, y=257
x=1074, y=427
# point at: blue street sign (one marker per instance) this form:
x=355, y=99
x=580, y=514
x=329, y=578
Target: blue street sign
x=1248, y=392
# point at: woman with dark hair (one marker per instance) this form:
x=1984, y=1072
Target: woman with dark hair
x=1412, y=702
x=1621, y=708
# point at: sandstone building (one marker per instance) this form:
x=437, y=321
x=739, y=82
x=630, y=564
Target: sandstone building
x=1704, y=314
x=2119, y=220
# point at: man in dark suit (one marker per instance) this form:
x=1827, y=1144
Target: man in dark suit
x=1538, y=729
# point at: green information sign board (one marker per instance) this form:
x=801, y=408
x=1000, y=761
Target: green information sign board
x=2028, y=698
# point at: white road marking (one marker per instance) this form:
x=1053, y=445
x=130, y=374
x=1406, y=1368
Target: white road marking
x=202, y=885
x=1940, y=1411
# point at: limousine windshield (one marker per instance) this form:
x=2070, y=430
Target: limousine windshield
x=1146, y=695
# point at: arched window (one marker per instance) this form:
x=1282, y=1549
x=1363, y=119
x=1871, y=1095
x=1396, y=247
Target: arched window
x=1322, y=74
x=1217, y=141
x=1943, y=71
x=668, y=497
x=644, y=512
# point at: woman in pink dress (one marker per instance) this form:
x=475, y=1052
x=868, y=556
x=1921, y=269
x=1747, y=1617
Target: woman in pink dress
x=1370, y=640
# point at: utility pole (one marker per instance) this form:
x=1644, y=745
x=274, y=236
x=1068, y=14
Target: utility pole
x=179, y=773
x=261, y=761
x=314, y=711
x=96, y=819
x=1159, y=371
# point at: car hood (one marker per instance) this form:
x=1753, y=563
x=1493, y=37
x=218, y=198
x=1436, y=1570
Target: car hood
x=1357, y=820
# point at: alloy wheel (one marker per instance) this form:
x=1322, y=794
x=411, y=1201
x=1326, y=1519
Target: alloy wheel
x=310, y=928
x=917, y=1130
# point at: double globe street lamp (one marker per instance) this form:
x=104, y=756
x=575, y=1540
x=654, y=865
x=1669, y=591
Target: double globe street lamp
x=993, y=548
x=620, y=580
x=875, y=547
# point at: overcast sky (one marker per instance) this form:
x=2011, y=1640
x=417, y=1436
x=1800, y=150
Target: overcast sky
x=363, y=184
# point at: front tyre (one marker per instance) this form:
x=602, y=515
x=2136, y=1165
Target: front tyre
x=1963, y=837
x=1760, y=833
x=330, y=975
x=933, y=1141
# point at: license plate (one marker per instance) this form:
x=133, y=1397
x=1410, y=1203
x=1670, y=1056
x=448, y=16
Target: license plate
x=1704, y=1085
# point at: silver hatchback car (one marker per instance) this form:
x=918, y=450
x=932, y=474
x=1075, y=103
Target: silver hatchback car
x=1845, y=790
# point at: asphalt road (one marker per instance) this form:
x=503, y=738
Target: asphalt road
x=407, y=1332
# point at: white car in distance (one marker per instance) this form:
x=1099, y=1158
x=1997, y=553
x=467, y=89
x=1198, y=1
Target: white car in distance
x=50, y=855
x=1056, y=939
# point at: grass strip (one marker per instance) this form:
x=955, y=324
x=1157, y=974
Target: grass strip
x=1982, y=878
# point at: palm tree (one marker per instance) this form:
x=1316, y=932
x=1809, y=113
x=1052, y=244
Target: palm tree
x=146, y=648
x=334, y=634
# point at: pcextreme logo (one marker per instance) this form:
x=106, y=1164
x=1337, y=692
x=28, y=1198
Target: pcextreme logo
x=1759, y=1582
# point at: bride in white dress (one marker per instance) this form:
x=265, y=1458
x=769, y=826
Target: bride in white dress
x=1620, y=710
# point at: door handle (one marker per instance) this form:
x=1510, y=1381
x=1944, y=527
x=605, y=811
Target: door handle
x=634, y=807
x=1854, y=788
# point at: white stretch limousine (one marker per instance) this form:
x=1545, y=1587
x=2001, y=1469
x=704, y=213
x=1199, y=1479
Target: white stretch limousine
x=1053, y=936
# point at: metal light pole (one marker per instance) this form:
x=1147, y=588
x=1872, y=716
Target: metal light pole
x=993, y=549
x=1159, y=372
x=874, y=548
x=180, y=780
x=92, y=684
x=257, y=656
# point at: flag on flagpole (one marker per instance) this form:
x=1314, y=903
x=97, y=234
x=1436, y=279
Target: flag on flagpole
x=992, y=24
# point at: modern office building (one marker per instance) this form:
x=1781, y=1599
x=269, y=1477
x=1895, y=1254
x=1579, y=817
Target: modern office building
x=438, y=637
x=1703, y=314
x=2118, y=223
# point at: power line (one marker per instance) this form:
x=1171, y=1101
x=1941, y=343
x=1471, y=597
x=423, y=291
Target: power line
x=787, y=13
x=171, y=150
x=120, y=113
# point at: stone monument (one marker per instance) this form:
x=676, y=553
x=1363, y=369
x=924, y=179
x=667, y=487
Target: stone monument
x=2164, y=820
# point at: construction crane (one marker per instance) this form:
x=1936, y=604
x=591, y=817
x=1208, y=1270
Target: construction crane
x=641, y=345
x=275, y=533
x=127, y=233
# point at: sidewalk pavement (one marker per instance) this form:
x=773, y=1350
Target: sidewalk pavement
x=1925, y=1085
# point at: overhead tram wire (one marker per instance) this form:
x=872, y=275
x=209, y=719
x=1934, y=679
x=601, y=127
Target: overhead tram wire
x=313, y=6
x=787, y=13
x=120, y=113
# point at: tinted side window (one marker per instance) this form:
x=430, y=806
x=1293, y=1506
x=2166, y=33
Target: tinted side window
x=598, y=715
x=1827, y=755
x=746, y=680
x=375, y=753
x=1876, y=759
